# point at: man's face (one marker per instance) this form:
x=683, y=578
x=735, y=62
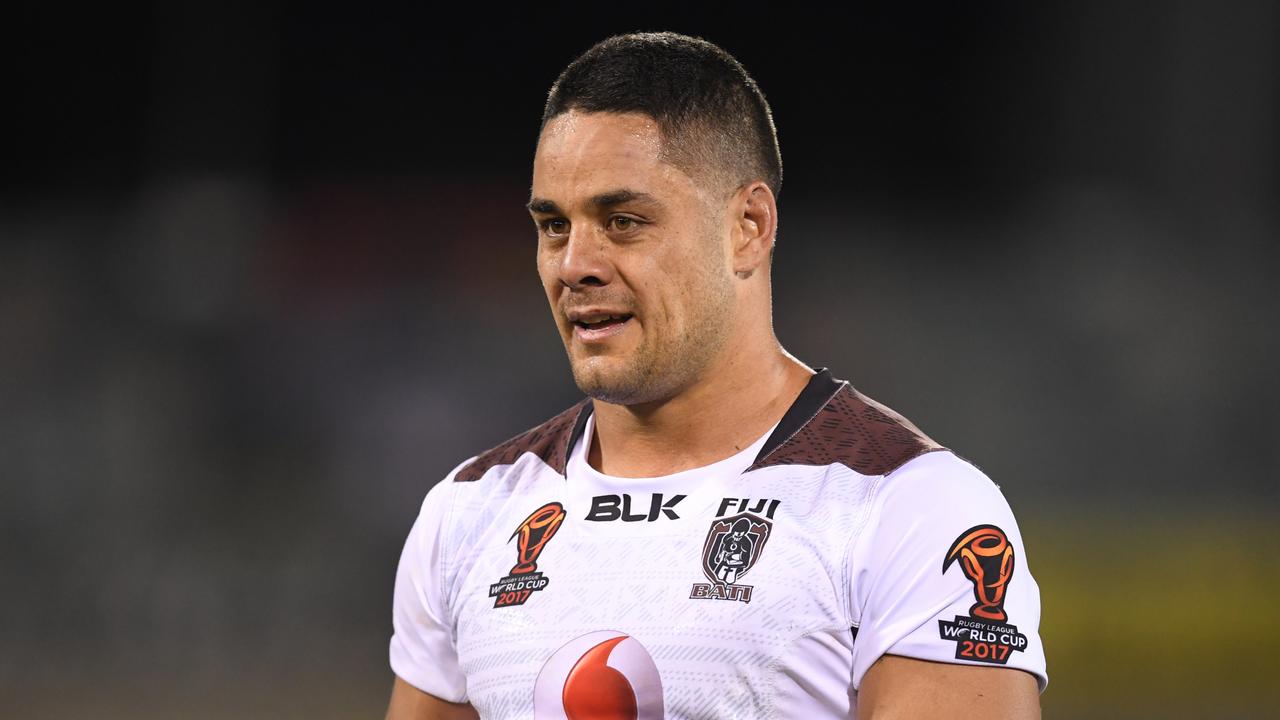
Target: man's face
x=633, y=256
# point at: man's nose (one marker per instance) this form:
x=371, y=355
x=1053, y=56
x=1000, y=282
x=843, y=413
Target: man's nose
x=586, y=259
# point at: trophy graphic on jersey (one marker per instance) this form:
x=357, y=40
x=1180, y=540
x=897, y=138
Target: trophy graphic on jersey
x=732, y=547
x=534, y=533
x=531, y=538
x=986, y=557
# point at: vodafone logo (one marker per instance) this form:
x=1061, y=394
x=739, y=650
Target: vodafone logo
x=603, y=675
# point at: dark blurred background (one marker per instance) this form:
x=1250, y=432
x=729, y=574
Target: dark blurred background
x=265, y=277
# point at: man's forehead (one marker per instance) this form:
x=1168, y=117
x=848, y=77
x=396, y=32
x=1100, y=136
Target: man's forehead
x=587, y=155
x=576, y=127
x=585, y=142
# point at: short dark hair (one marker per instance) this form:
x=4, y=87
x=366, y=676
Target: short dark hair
x=711, y=113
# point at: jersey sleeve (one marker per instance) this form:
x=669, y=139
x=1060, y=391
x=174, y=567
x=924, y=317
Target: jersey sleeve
x=423, y=648
x=941, y=573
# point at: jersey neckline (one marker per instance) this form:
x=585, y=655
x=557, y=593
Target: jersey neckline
x=815, y=395
x=733, y=465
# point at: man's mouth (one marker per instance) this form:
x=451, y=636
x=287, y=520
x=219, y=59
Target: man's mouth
x=590, y=327
x=601, y=322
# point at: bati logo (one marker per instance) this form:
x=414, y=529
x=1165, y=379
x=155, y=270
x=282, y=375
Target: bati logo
x=732, y=548
x=531, y=537
x=986, y=557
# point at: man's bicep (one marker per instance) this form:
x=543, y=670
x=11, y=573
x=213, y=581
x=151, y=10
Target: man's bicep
x=899, y=687
x=410, y=703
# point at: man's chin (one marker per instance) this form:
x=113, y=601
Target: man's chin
x=610, y=381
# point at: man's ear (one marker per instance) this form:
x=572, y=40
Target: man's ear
x=755, y=216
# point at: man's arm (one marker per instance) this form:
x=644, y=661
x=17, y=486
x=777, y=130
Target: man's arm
x=898, y=687
x=410, y=703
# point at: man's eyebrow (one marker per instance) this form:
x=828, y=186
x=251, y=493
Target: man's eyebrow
x=545, y=207
x=603, y=200
x=618, y=197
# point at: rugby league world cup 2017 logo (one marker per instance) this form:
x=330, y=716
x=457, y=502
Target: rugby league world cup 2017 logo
x=531, y=537
x=733, y=547
x=986, y=557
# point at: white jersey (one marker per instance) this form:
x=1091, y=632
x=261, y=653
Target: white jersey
x=763, y=585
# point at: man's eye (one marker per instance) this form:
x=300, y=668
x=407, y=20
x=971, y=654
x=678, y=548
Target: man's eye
x=555, y=226
x=622, y=223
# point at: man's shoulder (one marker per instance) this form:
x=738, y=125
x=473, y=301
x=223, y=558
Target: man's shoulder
x=549, y=441
x=843, y=426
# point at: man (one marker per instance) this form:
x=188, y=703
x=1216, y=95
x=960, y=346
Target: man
x=718, y=530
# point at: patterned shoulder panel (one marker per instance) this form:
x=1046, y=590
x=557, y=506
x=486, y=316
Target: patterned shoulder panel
x=855, y=431
x=550, y=441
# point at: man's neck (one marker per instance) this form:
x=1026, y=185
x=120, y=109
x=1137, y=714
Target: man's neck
x=710, y=421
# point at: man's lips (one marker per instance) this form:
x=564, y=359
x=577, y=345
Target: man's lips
x=597, y=324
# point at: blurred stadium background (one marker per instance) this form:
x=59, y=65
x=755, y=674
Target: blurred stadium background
x=265, y=276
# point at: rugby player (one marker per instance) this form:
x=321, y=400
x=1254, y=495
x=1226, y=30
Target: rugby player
x=717, y=529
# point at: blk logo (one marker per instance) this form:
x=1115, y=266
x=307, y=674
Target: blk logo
x=605, y=508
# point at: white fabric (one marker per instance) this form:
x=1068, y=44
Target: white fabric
x=898, y=592
x=423, y=652
x=843, y=550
